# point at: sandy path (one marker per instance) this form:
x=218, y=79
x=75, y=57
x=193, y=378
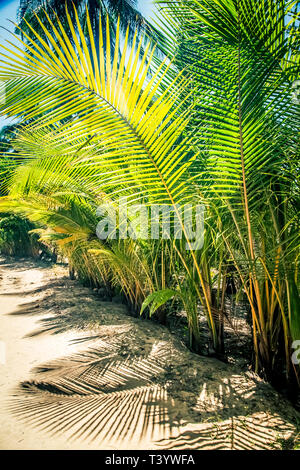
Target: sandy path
x=110, y=381
x=23, y=353
x=19, y=319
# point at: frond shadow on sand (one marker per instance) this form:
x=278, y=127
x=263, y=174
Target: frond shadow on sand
x=137, y=385
x=101, y=397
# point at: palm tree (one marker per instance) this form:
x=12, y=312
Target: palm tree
x=242, y=58
x=108, y=129
x=118, y=102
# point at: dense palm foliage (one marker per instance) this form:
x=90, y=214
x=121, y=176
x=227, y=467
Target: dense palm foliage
x=217, y=125
x=242, y=57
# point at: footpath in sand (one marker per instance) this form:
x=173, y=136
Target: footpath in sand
x=80, y=373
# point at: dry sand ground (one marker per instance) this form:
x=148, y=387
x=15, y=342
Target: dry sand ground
x=80, y=373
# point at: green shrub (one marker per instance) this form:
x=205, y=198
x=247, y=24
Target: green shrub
x=15, y=236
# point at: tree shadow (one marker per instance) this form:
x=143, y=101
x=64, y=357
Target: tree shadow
x=100, y=397
x=71, y=319
x=237, y=433
x=30, y=292
x=137, y=384
x=60, y=312
x=232, y=412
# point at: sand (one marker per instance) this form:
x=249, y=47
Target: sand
x=80, y=373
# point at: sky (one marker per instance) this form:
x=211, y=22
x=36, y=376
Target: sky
x=145, y=7
x=8, y=11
